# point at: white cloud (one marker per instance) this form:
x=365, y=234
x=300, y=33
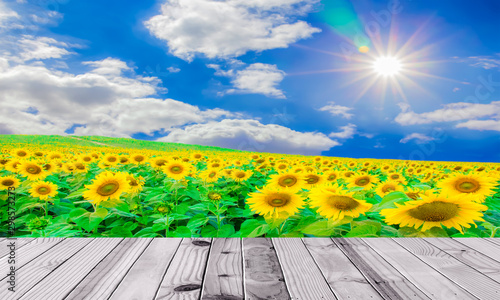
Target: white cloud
x=258, y=79
x=230, y=28
x=450, y=112
x=252, y=135
x=173, y=69
x=337, y=110
x=485, y=62
x=481, y=125
x=108, y=67
x=6, y=13
x=419, y=137
x=346, y=132
x=41, y=48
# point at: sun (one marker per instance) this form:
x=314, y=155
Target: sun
x=387, y=66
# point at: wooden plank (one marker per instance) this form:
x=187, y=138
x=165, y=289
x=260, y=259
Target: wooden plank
x=263, y=278
x=20, y=242
x=303, y=278
x=428, y=280
x=471, y=280
x=224, y=273
x=37, y=269
x=107, y=275
x=59, y=283
x=184, y=276
x=386, y=279
x=468, y=256
x=483, y=246
x=493, y=240
x=343, y=277
x=29, y=252
x=144, y=278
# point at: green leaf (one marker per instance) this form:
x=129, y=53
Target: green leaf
x=412, y=232
x=87, y=220
x=120, y=231
x=319, y=228
x=226, y=230
x=182, y=231
x=366, y=230
x=197, y=221
x=390, y=199
x=146, y=232
x=253, y=228
x=158, y=227
x=76, y=194
x=208, y=231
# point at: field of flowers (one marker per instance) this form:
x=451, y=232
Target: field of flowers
x=106, y=187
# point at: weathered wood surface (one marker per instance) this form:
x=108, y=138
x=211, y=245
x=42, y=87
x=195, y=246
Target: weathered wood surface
x=252, y=268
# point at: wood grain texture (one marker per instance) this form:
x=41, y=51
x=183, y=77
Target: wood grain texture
x=468, y=256
x=424, y=277
x=184, y=276
x=59, y=283
x=474, y=282
x=482, y=245
x=224, y=273
x=303, y=278
x=386, y=279
x=494, y=240
x=30, y=251
x=33, y=272
x=263, y=277
x=344, y=278
x=107, y=275
x=20, y=242
x=144, y=278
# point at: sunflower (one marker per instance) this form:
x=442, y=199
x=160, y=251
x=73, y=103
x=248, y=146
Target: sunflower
x=86, y=158
x=312, y=179
x=136, y=184
x=334, y=203
x=158, y=162
x=227, y=172
x=32, y=170
x=365, y=181
x=414, y=193
x=68, y=168
x=55, y=155
x=214, y=196
x=107, y=186
x=332, y=176
x=292, y=181
x=43, y=190
x=436, y=210
x=272, y=202
x=3, y=162
x=79, y=167
x=394, y=176
x=138, y=159
x=210, y=175
x=197, y=156
x=12, y=165
x=20, y=153
x=478, y=186
x=124, y=159
x=388, y=187
x=38, y=154
x=49, y=167
x=240, y=175
x=177, y=169
x=111, y=159
x=7, y=182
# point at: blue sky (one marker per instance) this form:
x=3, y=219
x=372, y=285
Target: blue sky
x=274, y=76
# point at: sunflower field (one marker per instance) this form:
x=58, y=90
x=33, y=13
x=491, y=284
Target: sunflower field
x=52, y=186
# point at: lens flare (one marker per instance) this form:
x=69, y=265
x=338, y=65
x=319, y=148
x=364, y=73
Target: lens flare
x=387, y=66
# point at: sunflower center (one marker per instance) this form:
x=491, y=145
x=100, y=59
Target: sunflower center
x=43, y=190
x=240, y=174
x=21, y=153
x=467, y=185
x=395, y=176
x=176, y=169
x=388, y=188
x=288, y=181
x=38, y=154
x=343, y=202
x=133, y=182
x=80, y=166
x=87, y=159
x=8, y=182
x=211, y=175
x=108, y=189
x=312, y=179
x=411, y=195
x=139, y=158
x=34, y=170
x=278, y=200
x=362, y=181
x=160, y=162
x=437, y=211
x=332, y=177
x=123, y=159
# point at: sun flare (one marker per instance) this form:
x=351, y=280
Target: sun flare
x=387, y=66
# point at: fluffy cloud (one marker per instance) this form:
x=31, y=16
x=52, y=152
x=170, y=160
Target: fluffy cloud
x=481, y=125
x=450, y=112
x=41, y=48
x=418, y=137
x=252, y=135
x=346, y=132
x=256, y=78
x=337, y=110
x=6, y=13
x=229, y=28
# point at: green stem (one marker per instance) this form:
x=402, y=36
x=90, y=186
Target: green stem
x=494, y=232
x=167, y=227
x=280, y=228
